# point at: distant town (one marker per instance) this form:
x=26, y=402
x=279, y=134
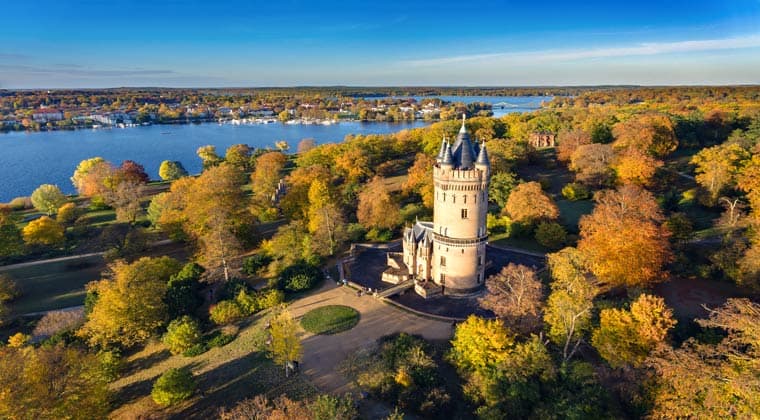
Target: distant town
x=71, y=109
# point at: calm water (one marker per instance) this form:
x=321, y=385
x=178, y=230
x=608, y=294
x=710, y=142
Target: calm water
x=30, y=159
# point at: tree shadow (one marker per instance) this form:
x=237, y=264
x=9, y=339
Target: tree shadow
x=146, y=362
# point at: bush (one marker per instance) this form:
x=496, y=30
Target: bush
x=56, y=322
x=225, y=312
x=67, y=214
x=254, y=263
x=8, y=288
x=220, y=340
x=498, y=224
x=379, y=235
x=173, y=386
x=182, y=292
x=299, y=277
x=182, y=334
x=575, y=191
x=551, y=235
x=195, y=350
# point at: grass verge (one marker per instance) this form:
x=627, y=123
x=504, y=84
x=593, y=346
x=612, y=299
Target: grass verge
x=330, y=319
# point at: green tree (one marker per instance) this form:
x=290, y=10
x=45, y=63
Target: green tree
x=10, y=235
x=239, y=155
x=130, y=307
x=225, y=312
x=48, y=198
x=173, y=386
x=43, y=231
x=551, y=235
x=501, y=186
x=182, y=296
x=182, y=334
x=171, y=170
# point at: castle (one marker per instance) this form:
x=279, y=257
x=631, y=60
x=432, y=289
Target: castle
x=448, y=255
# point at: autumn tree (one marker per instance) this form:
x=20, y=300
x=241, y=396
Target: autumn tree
x=171, y=170
x=568, y=308
x=48, y=198
x=51, y=382
x=748, y=181
x=80, y=177
x=67, y=214
x=326, y=222
x=353, y=163
x=647, y=133
x=528, y=204
x=377, y=209
x=717, y=167
x=305, y=145
x=591, y=164
x=420, y=179
x=267, y=175
x=514, y=295
x=497, y=366
x=623, y=239
x=239, y=155
x=626, y=337
x=43, y=231
x=568, y=141
x=289, y=245
x=208, y=156
x=133, y=172
x=285, y=345
x=635, y=167
x=130, y=305
x=295, y=202
x=703, y=380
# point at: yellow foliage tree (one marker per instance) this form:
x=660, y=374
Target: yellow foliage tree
x=43, y=231
x=420, y=179
x=285, y=345
x=626, y=337
x=376, y=207
x=130, y=305
x=648, y=133
x=635, y=167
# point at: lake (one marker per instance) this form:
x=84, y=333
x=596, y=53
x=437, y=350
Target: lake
x=29, y=159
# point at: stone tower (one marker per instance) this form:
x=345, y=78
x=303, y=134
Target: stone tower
x=461, y=177
x=448, y=255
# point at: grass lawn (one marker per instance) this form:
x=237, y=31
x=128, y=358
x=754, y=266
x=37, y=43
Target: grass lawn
x=225, y=376
x=330, y=319
x=571, y=211
x=54, y=285
x=527, y=243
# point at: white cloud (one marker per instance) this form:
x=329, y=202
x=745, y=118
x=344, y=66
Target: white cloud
x=641, y=49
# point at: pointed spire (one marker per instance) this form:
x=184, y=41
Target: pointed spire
x=442, y=151
x=448, y=159
x=463, y=129
x=483, y=156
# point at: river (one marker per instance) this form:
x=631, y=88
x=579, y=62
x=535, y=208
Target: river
x=29, y=159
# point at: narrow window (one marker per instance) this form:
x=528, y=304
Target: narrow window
x=443, y=261
x=464, y=213
x=478, y=278
x=454, y=198
x=443, y=278
x=465, y=198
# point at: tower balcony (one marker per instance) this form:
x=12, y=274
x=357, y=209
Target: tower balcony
x=445, y=240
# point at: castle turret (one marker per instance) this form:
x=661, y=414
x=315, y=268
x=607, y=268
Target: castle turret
x=459, y=225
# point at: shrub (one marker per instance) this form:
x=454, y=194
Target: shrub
x=220, y=340
x=18, y=340
x=225, y=312
x=8, y=288
x=498, y=224
x=182, y=334
x=195, y=350
x=67, y=213
x=254, y=263
x=247, y=302
x=355, y=232
x=551, y=235
x=299, y=277
x=575, y=191
x=173, y=386
x=270, y=298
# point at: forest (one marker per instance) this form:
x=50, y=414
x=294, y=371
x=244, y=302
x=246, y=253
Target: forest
x=647, y=212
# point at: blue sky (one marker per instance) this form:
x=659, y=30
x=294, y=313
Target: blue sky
x=97, y=43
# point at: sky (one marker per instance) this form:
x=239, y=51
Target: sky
x=232, y=43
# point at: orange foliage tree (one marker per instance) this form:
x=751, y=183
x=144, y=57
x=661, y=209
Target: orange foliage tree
x=648, y=133
x=635, y=167
x=420, y=179
x=528, y=204
x=623, y=239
